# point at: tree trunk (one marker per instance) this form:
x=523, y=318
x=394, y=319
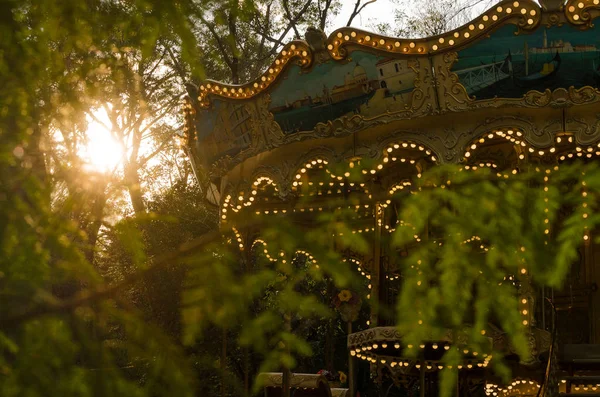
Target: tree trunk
x=95, y=221
x=235, y=59
x=35, y=156
x=134, y=188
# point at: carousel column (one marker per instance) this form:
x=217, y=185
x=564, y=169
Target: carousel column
x=527, y=309
x=351, y=370
x=376, y=271
x=422, y=381
x=590, y=253
x=287, y=373
x=246, y=350
x=223, y=362
x=593, y=254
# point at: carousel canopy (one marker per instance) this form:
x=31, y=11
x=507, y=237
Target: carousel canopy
x=518, y=67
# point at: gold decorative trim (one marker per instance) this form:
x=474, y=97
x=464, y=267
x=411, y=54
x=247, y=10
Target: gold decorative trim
x=189, y=128
x=582, y=12
x=526, y=14
x=297, y=51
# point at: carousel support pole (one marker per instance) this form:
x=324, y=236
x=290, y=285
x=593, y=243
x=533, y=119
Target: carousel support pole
x=286, y=382
x=246, y=351
x=422, y=381
x=457, y=383
x=287, y=374
x=351, y=374
x=376, y=271
x=223, y=361
x=246, y=371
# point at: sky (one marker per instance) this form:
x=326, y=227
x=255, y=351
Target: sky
x=376, y=12
x=381, y=11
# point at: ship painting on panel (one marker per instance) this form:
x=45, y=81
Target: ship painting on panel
x=508, y=65
x=366, y=85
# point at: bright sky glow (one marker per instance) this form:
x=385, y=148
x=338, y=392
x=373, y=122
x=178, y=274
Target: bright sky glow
x=383, y=11
x=102, y=153
x=380, y=11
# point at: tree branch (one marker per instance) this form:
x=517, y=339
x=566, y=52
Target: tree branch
x=289, y=27
x=288, y=15
x=218, y=40
x=358, y=9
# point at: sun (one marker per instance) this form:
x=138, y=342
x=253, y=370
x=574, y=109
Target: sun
x=101, y=153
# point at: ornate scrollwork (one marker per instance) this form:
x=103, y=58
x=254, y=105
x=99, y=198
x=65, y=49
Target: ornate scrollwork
x=391, y=334
x=538, y=340
x=583, y=95
x=562, y=97
x=534, y=136
x=582, y=12
x=263, y=121
x=585, y=133
x=554, y=19
x=453, y=95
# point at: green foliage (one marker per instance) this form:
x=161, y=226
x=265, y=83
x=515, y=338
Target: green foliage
x=54, y=327
x=90, y=307
x=481, y=229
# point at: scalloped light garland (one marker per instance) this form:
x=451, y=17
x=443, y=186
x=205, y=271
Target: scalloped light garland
x=295, y=51
x=577, y=11
x=525, y=14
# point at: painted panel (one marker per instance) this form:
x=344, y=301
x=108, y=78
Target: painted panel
x=364, y=84
x=223, y=130
x=507, y=65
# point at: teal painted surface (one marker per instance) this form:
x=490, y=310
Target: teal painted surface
x=497, y=66
x=334, y=89
x=224, y=130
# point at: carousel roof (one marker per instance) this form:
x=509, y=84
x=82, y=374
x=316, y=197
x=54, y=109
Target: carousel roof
x=517, y=56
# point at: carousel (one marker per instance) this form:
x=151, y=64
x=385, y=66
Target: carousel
x=518, y=85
